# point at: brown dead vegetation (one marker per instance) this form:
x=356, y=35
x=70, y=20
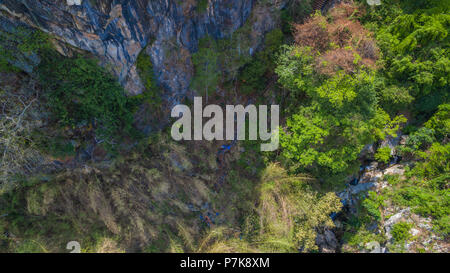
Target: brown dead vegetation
x=339, y=39
x=140, y=199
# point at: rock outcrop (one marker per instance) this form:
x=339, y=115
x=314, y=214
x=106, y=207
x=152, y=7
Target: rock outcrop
x=116, y=31
x=327, y=242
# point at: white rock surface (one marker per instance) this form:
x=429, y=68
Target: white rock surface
x=414, y=232
x=394, y=219
x=395, y=169
x=374, y=2
x=74, y=2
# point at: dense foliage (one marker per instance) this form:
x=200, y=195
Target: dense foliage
x=414, y=40
x=347, y=80
x=339, y=111
x=80, y=93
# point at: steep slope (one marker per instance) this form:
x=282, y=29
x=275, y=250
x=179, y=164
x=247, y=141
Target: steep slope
x=117, y=31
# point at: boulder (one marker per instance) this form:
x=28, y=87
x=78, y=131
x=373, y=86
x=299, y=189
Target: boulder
x=361, y=187
x=394, y=219
x=395, y=170
x=373, y=247
x=327, y=242
x=367, y=152
x=74, y=2
x=371, y=176
x=392, y=143
x=414, y=232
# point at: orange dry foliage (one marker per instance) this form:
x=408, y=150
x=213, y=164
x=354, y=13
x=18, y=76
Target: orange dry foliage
x=334, y=60
x=313, y=33
x=341, y=40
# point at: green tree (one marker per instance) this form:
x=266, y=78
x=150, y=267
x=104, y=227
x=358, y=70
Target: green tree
x=440, y=122
x=206, y=62
x=341, y=118
x=413, y=38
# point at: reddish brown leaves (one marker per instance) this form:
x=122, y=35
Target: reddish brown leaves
x=340, y=40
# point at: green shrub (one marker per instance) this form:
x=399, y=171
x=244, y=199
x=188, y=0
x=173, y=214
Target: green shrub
x=361, y=237
x=373, y=203
x=393, y=98
x=400, y=232
x=383, y=154
x=145, y=69
x=435, y=161
x=206, y=65
x=4, y=61
x=81, y=93
x=16, y=45
x=440, y=122
x=426, y=190
x=59, y=147
x=392, y=179
x=202, y=5
x=442, y=225
x=421, y=139
x=424, y=201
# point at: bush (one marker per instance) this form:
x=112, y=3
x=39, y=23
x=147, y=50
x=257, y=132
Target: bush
x=145, y=69
x=206, y=64
x=202, y=5
x=400, y=232
x=383, y=154
x=426, y=202
x=392, y=179
x=393, y=98
x=81, y=93
x=421, y=139
x=18, y=45
x=373, y=203
x=435, y=161
x=440, y=122
x=442, y=225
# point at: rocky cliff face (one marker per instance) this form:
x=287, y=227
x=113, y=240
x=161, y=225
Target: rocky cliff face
x=116, y=31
